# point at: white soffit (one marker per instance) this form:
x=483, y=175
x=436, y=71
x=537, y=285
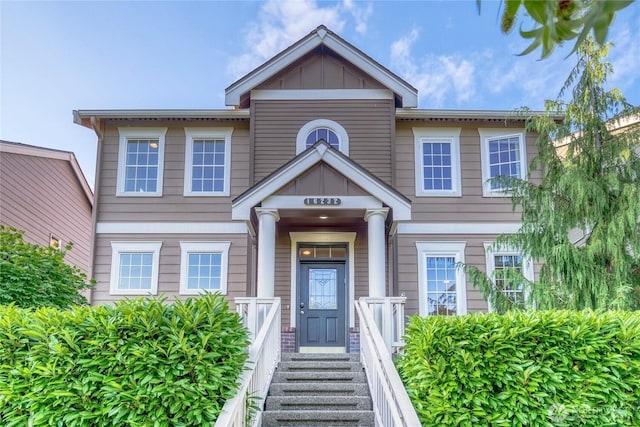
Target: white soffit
x=319, y=36
x=242, y=206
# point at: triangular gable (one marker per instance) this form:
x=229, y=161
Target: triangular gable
x=322, y=36
x=321, y=152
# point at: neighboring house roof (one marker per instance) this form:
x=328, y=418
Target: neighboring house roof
x=322, y=36
x=50, y=153
x=321, y=152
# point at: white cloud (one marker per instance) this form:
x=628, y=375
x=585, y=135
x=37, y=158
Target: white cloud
x=283, y=22
x=361, y=13
x=625, y=58
x=437, y=78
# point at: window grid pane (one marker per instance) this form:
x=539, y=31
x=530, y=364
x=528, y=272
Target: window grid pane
x=437, y=173
x=141, y=166
x=135, y=270
x=504, y=160
x=207, y=171
x=441, y=286
x=323, y=133
x=514, y=292
x=204, y=270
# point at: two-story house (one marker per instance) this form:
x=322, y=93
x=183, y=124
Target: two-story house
x=321, y=184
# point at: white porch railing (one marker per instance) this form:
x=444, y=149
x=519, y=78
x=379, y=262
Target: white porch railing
x=391, y=404
x=262, y=317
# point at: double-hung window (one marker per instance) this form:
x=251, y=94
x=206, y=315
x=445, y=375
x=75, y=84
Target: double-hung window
x=134, y=268
x=442, y=288
x=203, y=267
x=140, y=161
x=503, y=157
x=207, y=161
x=502, y=266
x=437, y=152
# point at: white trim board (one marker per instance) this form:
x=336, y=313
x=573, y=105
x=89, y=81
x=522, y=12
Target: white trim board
x=319, y=94
x=458, y=228
x=171, y=228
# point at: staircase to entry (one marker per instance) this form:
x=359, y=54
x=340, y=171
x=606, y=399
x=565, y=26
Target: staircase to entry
x=318, y=390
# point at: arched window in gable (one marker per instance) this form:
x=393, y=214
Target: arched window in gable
x=322, y=129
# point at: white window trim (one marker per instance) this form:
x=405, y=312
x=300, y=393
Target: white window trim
x=490, y=133
x=203, y=247
x=116, y=249
x=343, y=137
x=491, y=252
x=422, y=135
x=139, y=133
x=207, y=133
x=454, y=249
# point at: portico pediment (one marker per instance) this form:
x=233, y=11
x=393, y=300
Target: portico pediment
x=322, y=171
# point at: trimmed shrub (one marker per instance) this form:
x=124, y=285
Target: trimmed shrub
x=545, y=368
x=37, y=276
x=138, y=363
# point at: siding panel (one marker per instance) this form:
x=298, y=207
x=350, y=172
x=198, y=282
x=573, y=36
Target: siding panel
x=169, y=273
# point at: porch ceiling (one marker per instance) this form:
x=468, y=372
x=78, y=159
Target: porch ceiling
x=312, y=217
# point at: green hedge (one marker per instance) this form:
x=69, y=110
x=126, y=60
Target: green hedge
x=545, y=368
x=139, y=363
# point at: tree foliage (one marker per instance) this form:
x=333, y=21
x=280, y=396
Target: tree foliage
x=557, y=21
x=37, y=276
x=590, y=187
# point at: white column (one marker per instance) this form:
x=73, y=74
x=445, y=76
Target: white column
x=377, y=250
x=266, y=251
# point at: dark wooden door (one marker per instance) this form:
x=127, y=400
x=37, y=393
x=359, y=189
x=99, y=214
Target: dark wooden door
x=322, y=305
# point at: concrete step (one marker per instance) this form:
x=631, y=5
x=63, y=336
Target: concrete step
x=319, y=365
x=317, y=418
x=319, y=389
x=323, y=377
x=326, y=357
x=319, y=403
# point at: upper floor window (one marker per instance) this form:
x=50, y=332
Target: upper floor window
x=322, y=129
x=203, y=267
x=207, y=161
x=503, y=267
x=134, y=268
x=503, y=157
x=140, y=161
x=442, y=288
x=437, y=152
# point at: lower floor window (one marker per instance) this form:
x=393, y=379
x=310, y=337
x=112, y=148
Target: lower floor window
x=203, y=267
x=442, y=289
x=509, y=270
x=134, y=268
x=441, y=286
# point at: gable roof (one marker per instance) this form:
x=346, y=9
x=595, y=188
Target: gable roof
x=322, y=36
x=50, y=153
x=321, y=152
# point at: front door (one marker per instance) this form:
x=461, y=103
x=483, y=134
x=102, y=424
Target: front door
x=322, y=306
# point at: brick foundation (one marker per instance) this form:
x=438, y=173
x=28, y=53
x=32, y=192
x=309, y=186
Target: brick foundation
x=354, y=340
x=288, y=340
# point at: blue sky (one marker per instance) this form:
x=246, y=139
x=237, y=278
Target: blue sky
x=59, y=56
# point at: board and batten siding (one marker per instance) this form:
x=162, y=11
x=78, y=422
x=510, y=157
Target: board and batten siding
x=321, y=69
x=172, y=205
x=43, y=197
x=169, y=269
x=471, y=206
x=407, y=274
x=370, y=125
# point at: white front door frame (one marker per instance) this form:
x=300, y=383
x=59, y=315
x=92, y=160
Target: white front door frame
x=323, y=237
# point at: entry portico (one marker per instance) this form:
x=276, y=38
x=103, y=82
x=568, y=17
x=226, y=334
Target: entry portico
x=296, y=201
